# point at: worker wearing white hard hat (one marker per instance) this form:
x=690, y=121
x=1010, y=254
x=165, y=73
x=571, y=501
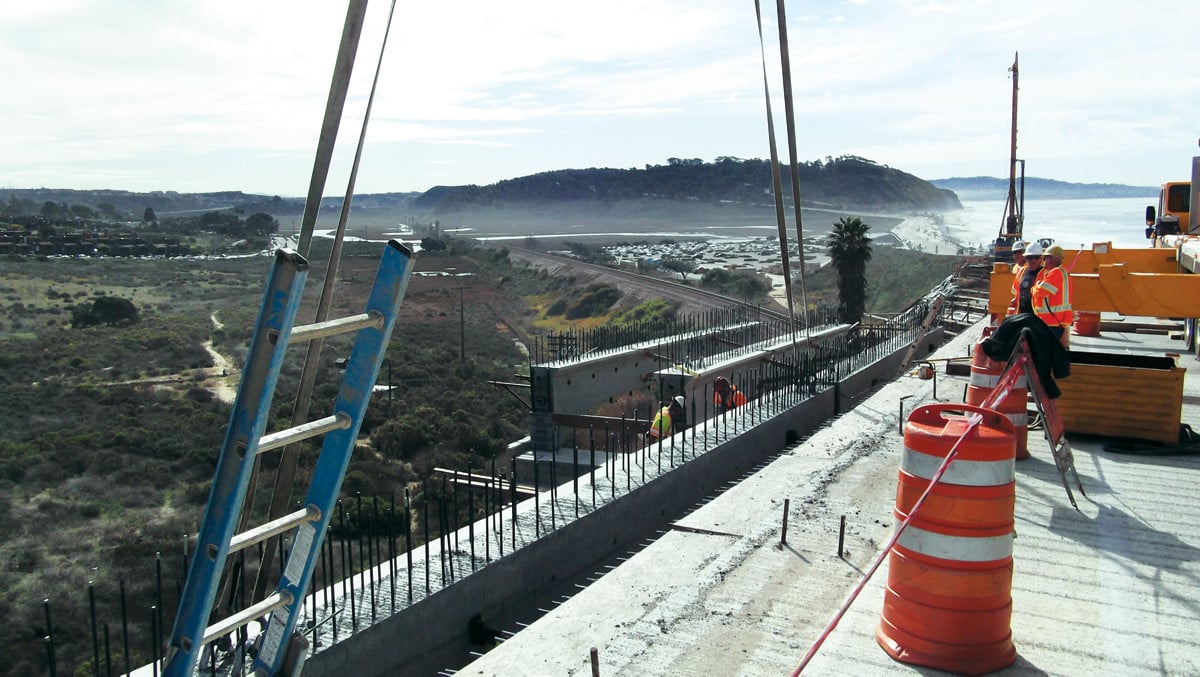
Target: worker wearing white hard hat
x=1018, y=269
x=1029, y=277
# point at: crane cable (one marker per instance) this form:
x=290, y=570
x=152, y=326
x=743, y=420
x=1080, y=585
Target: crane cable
x=776, y=182
x=285, y=476
x=794, y=166
x=338, y=87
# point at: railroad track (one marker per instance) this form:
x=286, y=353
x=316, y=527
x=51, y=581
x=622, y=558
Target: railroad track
x=640, y=287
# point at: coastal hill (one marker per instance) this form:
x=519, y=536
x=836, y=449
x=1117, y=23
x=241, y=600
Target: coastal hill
x=728, y=189
x=729, y=184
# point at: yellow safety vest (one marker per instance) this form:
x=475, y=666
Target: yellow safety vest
x=662, y=423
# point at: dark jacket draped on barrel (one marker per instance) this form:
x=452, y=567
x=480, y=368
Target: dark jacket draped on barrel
x=1050, y=359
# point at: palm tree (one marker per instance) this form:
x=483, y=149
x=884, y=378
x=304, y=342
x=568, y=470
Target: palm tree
x=849, y=250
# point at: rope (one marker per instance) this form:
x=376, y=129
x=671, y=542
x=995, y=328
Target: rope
x=973, y=420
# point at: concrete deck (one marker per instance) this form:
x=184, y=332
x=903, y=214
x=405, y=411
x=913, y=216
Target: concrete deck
x=1110, y=589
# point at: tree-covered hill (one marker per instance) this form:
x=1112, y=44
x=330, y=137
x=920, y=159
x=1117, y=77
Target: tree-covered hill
x=846, y=182
x=835, y=183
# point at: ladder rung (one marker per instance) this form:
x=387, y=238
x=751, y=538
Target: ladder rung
x=343, y=325
x=228, y=625
x=273, y=528
x=320, y=426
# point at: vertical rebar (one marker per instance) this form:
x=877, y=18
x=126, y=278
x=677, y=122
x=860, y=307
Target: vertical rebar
x=512, y=498
x=471, y=515
x=787, y=504
x=124, y=627
x=107, y=652
x=154, y=638
x=330, y=582
x=373, y=551
x=842, y=537
x=158, y=587
x=425, y=507
x=95, y=633
x=408, y=547
x=537, y=503
x=49, y=639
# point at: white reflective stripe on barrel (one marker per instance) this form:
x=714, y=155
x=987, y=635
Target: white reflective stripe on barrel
x=957, y=548
x=961, y=472
x=981, y=380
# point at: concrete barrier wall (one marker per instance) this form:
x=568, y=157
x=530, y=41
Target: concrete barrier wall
x=433, y=633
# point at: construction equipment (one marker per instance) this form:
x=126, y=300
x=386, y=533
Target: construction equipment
x=1173, y=214
x=244, y=440
x=1014, y=207
x=1019, y=367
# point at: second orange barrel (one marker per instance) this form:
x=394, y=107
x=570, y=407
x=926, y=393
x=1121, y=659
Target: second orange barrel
x=1086, y=323
x=948, y=601
x=985, y=374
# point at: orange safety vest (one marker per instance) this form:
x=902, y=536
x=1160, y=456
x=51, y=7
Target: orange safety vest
x=662, y=423
x=733, y=398
x=1052, y=297
x=1018, y=270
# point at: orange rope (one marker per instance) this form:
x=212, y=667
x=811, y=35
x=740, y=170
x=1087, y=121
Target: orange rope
x=972, y=421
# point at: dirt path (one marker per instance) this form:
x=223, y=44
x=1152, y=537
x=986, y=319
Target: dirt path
x=221, y=379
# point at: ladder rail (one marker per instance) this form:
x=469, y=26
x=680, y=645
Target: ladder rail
x=264, y=360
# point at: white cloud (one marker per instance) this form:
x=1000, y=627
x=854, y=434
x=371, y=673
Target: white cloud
x=225, y=95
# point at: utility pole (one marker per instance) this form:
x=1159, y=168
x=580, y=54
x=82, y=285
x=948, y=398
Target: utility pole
x=462, y=326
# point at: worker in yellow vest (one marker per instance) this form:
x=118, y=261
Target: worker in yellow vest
x=1052, y=295
x=669, y=420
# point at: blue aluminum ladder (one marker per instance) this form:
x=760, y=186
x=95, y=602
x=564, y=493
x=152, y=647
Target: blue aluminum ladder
x=244, y=440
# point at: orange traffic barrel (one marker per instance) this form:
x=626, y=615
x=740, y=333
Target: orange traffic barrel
x=948, y=601
x=1086, y=323
x=985, y=374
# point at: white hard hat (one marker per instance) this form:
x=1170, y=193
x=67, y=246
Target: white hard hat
x=679, y=400
x=1034, y=249
x=1018, y=246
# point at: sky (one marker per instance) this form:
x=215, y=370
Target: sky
x=210, y=95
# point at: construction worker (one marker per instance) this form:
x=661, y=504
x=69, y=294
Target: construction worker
x=1018, y=269
x=726, y=396
x=1051, y=296
x=1028, y=279
x=669, y=420
x=1018, y=254
x=678, y=414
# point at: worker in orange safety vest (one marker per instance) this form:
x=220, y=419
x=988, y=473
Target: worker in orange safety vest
x=1018, y=269
x=1052, y=294
x=726, y=396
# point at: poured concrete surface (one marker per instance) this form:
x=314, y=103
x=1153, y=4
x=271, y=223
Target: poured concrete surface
x=1111, y=588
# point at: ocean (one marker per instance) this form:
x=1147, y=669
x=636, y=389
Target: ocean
x=1071, y=223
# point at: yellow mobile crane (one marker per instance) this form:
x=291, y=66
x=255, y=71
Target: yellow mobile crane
x=1177, y=212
